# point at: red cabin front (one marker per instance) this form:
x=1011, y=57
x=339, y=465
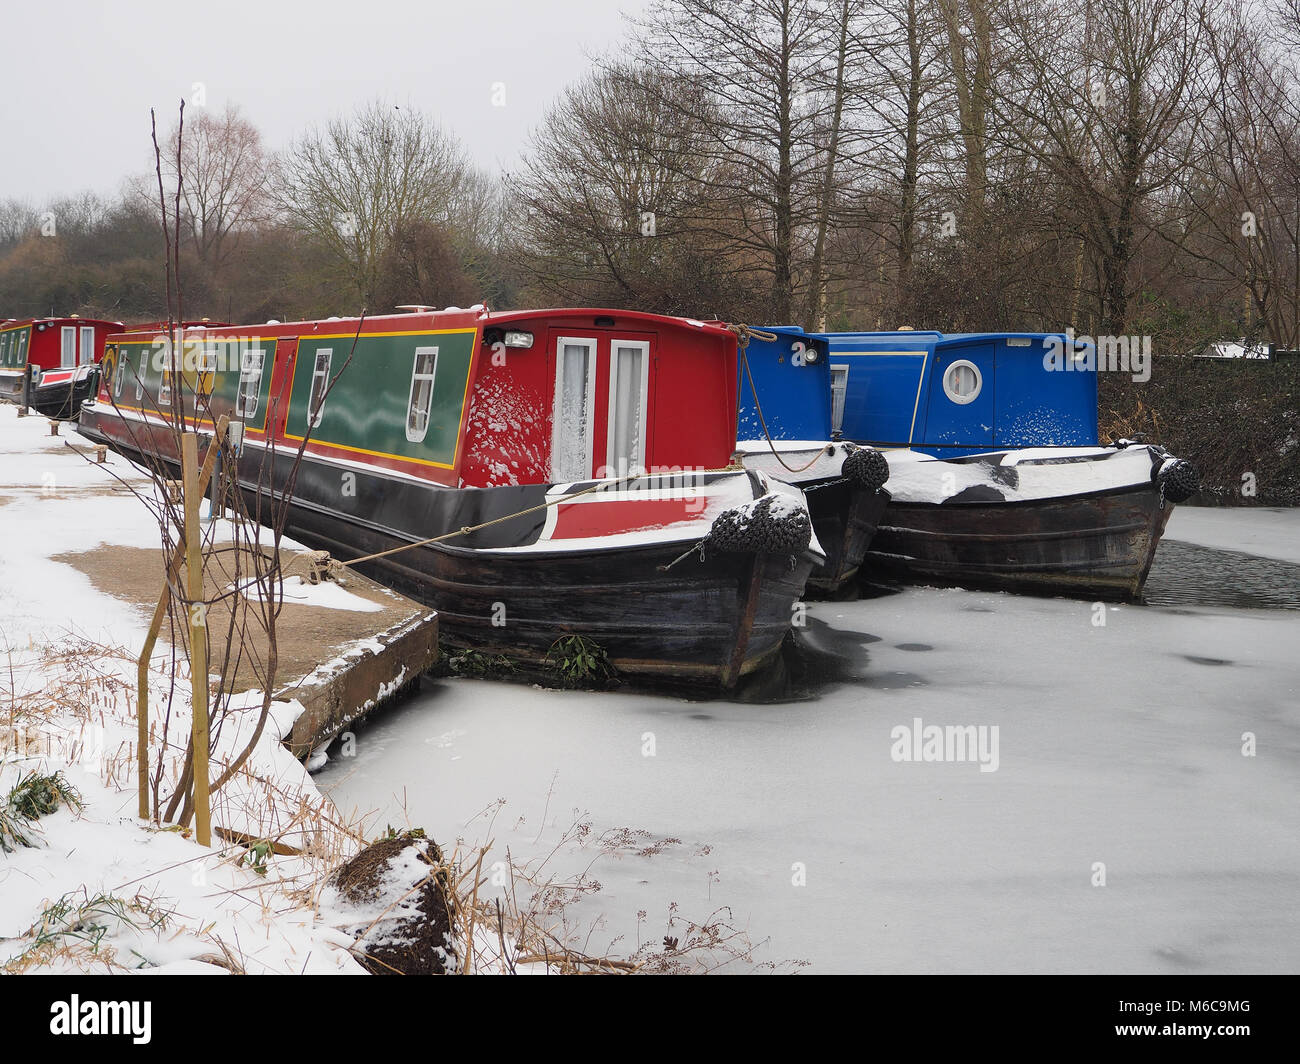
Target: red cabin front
x=566, y=395
x=48, y=344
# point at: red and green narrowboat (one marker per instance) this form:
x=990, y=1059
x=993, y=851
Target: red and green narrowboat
x=61, y=356
x=597, y=443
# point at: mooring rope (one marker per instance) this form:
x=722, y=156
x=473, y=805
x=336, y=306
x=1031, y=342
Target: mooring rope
x=467, y=529
x=743, y=334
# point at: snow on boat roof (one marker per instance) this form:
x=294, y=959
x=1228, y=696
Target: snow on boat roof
x=930, y=338
x=70, y=319
x=458, y=318
x=1035, y=473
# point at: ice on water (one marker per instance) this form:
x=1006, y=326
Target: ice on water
x=1123, y=740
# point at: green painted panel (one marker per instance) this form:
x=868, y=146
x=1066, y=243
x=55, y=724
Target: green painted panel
x=138, y=357
x=367, y=407
x=13, y=347
x=223, y=354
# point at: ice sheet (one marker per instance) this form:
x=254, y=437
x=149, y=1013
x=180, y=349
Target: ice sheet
x=1121, y=745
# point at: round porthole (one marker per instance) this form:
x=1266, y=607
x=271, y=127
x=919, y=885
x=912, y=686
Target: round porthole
x=962, y=381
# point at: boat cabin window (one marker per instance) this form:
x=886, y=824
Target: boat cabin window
x=87, y=344
x=629, y=376
x=320, y=379
x=573, y=422
x=423, y=370
x=167, y=363
x=207, y=369
x=138, y=370
x=962, y=382
x=839, y=389
x=68, y=350
x=119, y=372
x=251, y=361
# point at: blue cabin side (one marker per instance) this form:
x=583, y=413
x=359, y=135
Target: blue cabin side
x=963, y=393
x=791, y=377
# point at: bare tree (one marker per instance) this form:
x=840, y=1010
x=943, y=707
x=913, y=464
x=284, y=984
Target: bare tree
x=629, y=219
x=223, y=174
x=1242, y=236
x=969, y=26
x=1114, y=123
x=758, y=65
x=17, y=219
x=354, y=183
x=815, y=314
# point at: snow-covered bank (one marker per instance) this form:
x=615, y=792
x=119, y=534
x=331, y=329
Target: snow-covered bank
x=159, y=901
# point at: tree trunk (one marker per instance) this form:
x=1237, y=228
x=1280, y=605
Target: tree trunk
x=911, y=162
x=816, y=287
x=973, y=88
x=782, y=258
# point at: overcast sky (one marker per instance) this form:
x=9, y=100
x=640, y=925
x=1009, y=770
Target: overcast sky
x=77, y=79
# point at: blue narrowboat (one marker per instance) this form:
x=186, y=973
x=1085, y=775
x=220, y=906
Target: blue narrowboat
x=996, y=472
x=784, y=430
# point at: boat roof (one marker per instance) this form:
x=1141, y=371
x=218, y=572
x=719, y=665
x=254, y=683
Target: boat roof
x=14, y=323
x=934, y=338
x=193, y=323
x=478, y=316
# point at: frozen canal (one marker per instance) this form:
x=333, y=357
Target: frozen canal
x=1125, y=828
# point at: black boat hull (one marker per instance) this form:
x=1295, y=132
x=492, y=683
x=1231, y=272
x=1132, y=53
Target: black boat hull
x=62, y=401
x=845, y=515
x=1096, y=546
x=710, y=620
x=707, y=621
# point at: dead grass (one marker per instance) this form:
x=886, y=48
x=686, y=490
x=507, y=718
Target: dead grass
x=506, y=913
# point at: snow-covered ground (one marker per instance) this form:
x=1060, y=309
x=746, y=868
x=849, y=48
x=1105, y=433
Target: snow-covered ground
x=1124, y=757
x=163, y=902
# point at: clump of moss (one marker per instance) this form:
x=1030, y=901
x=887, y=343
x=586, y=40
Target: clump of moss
x=574, y=661
x=477, y=664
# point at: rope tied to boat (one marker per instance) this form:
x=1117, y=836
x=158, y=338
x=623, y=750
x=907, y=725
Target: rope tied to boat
x=465, y=530
x=743, y=334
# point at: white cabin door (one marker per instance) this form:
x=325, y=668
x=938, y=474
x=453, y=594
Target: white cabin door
x=629, y=383
x=68, y=347
x=573, y=424
x=88, y=351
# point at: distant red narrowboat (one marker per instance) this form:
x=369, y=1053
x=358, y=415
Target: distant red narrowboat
x=596, y=442
x=62, y=354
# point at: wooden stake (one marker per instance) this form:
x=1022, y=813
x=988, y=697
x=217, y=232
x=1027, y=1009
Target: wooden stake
x=198, y=637
x=151, y=637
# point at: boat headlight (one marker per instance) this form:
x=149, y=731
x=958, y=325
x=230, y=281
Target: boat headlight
x=810, y=356
x=517, y=338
